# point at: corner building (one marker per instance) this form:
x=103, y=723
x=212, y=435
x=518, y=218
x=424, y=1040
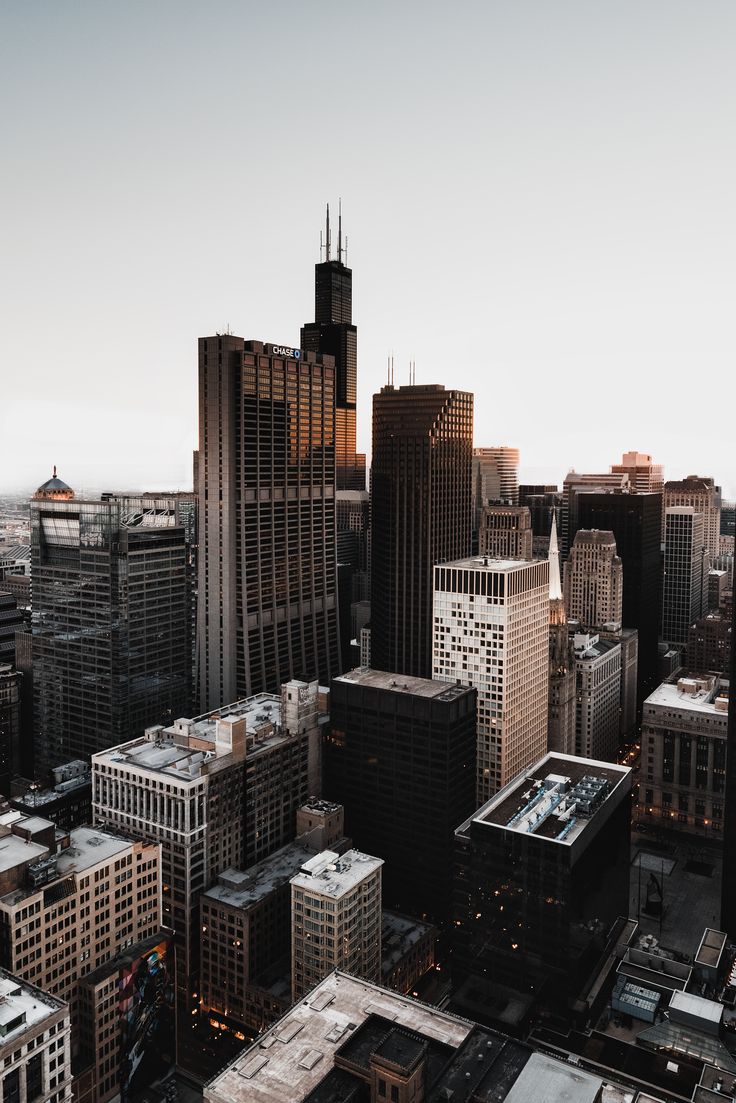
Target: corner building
x=267, y=607
x=420, y=515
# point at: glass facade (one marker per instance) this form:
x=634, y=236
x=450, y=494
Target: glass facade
x=111, y=628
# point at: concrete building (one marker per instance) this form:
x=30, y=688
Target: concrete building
x=491, y=631
x=407, y=951
x=219, y=791
x=597, y=696
x=400, y=754
x=350, y=1040
x=685, y=585
x=594, y=580
x=246, y=924
x=542, y=875
x=701, y=493
x=495, y=475
x=67, y=909
x=125, y=1013
x=505, y=532
x=10, y=725
x=420, y=515
x=111, y=624
x=35, y=1049
x=561, y=708
x=335, y=918
x=267, y=593
x=645, y=476
x=683, y=753
x=67, y=802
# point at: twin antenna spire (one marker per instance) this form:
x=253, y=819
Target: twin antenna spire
x=390, y=371
x=325, y=246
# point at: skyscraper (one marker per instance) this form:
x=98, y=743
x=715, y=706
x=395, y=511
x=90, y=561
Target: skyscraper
x=635, y=521
x=333, y=332
x=505, y=532
x=645, y=477
x=491, y=631
x=594, y=580
x=267, y=601
x=573, y=486
x=421, y=514
x=111, y=624
x=704, y=496
x=728, y=883
x=685, y=586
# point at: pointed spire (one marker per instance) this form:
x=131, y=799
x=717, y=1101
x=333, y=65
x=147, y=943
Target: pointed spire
x=555, y=586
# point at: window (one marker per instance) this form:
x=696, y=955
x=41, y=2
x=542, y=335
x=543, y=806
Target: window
x=382, y=1088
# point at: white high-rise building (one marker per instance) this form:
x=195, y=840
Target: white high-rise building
x=491, y=631
x=335, y=918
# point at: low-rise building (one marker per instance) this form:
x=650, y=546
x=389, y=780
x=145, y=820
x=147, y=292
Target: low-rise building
x=35, y=1049
x=67, y=801
x=407, y=951
x=683, y=753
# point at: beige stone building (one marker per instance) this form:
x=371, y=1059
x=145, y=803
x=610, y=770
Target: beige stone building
x=594, y=580
x=35, y=1045
x=505, y=532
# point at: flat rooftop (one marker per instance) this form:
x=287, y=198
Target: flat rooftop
x=398, y=934
x=555, y=799
x=89, y=846
x=15, y=851
x=488, y=563
x=403, y=683
x=18, y=999
x=679, y=694
x=544, y=1080
x=244, y=888
x=331, y=874
x=182, y=749
x=292, y=1059
x=591, y=646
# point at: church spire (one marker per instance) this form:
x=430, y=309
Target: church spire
x=555, y=585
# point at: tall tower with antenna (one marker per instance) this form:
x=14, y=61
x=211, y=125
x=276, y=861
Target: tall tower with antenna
x=333, y=332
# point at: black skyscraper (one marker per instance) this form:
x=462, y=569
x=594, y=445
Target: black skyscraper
x=636, y=522
x=420, y=515
x=333, y=332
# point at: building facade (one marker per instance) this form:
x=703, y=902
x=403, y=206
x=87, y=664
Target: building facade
x=267, y=592
x=683, y=753
x=685, y=582
x=335, y=919
x=111, y=626
x=701, y=493
x=561, y=711
x=10, y=727
x=594, y=580
x=573, y=486
x=219, y=791
x=400, y=755
x=709, y=642
x=597, y=696
x=491, y=631
x=421, y=515
x=645, y=476
x=542, y=875
x=35, y=1049
x=505, y=532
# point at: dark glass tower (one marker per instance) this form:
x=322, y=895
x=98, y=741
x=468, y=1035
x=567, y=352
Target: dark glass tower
x=333, y=332
x=267, y=594
x=728, y=881
x=111, y=625
x=420, y=515
x=636, y=523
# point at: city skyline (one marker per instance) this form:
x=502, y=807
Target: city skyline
x=556, y=209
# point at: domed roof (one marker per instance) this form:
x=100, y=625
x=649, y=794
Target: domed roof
x=55, y=488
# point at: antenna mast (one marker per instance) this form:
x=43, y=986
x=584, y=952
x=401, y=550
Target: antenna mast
x=327, y=243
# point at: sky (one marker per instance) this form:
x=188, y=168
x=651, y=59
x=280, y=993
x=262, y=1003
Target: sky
x=538, y=197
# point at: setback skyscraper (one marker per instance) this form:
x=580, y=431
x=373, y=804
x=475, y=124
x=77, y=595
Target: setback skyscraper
x=267, y=602
x=421, y=515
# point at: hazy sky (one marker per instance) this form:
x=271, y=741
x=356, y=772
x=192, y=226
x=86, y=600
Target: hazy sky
x=539, y=197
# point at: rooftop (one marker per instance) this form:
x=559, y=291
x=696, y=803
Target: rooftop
x=403, y=683
x=544, y=1079
x=22, y=1007
x=242, y=889
x=704, y=693
x=554, y=799
x=398, y=934
x=15, y=851
x=331, y=874
x=592, y=646
x=487, y=563
x=89, y=846
x=183, y=749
